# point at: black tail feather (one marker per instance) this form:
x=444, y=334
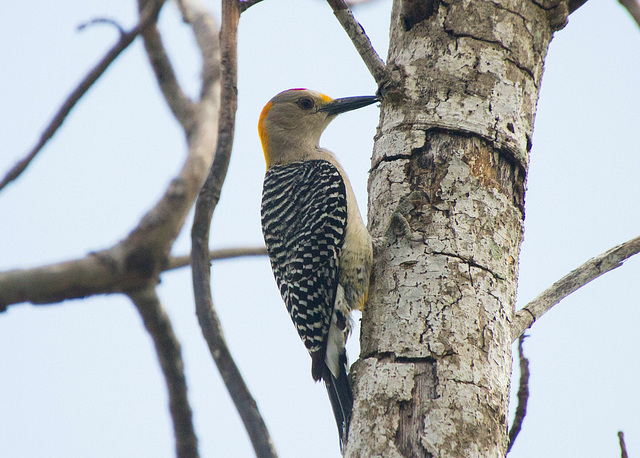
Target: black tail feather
x=341, y=397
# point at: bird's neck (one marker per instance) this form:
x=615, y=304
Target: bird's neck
x=281, y=148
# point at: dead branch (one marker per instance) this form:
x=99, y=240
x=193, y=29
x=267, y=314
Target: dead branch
x=246, y=4
x=205, y=205
x=361, y=41
x=633, y=7
x=142, y=255
x=574, y=280
x=218, y=255
x=169, y=354
x=179, y=104
x=88, y=276
x=523, y=395
x=623, y=446
x=97, y=273
x=133, y=265
x=147, y=18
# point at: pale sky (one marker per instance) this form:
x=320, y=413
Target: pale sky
x=81, y=379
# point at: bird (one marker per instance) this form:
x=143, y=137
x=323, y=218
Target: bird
x=320, y=250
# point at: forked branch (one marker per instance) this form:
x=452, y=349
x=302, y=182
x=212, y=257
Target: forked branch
x=147, y=18
x=94, y=274
x=205, y=205
x=179, y=104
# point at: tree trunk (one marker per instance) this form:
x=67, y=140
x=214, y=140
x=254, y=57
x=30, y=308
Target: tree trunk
x=446, y=207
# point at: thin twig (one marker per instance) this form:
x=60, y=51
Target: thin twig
x=147, y=18
x=217, y=255
x=169, y=354
x=205, y=205
x=623, y=446
x=574, y=280
x=361, y=41
x=523, y=395
x=633, y=7
x=102, y=20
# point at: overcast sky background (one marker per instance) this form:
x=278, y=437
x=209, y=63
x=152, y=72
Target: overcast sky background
x=81, y=379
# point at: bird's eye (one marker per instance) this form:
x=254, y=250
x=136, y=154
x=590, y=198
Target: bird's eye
x=306, y=103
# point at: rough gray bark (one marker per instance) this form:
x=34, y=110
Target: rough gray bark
x=446, y=206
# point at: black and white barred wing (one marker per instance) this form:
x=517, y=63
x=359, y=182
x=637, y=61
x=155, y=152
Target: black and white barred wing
x=304, y=216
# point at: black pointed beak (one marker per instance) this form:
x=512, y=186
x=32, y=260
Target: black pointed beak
x=337, y=106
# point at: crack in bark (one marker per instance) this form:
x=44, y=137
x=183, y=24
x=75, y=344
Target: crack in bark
x=542, y=7
x=467, y=382
x=392, y=357
x=504, y=150
x=515, y=13
x=518, y=65
x=471, y=280
x=391, y=158
x=524, y=22
x=528, y=71
x=452, y=33
x=470, y=263
x=558, y=14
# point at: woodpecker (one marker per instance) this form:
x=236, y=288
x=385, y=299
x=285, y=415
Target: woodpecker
x=320, y=250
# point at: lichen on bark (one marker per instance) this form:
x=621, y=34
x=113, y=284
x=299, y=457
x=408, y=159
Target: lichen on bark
x=446, y=208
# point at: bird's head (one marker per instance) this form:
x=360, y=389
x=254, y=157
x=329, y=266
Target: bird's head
x=295, y=119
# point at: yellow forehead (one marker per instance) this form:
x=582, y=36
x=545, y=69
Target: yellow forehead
x=325, y=98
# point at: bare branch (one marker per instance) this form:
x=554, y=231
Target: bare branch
x=141, y=256
x=633, y=7
x=361, y=41
x=523, y=395
x=217, y=255
x=206, y=32
x=134, y=264
x=246, y=4
x=159, y=228
x=147, y=18
x=623, y=446
x=574, y=280
x=169, y=354
x=205, y=205
x=207, y=36
x=179, y=104
x=94, y=274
